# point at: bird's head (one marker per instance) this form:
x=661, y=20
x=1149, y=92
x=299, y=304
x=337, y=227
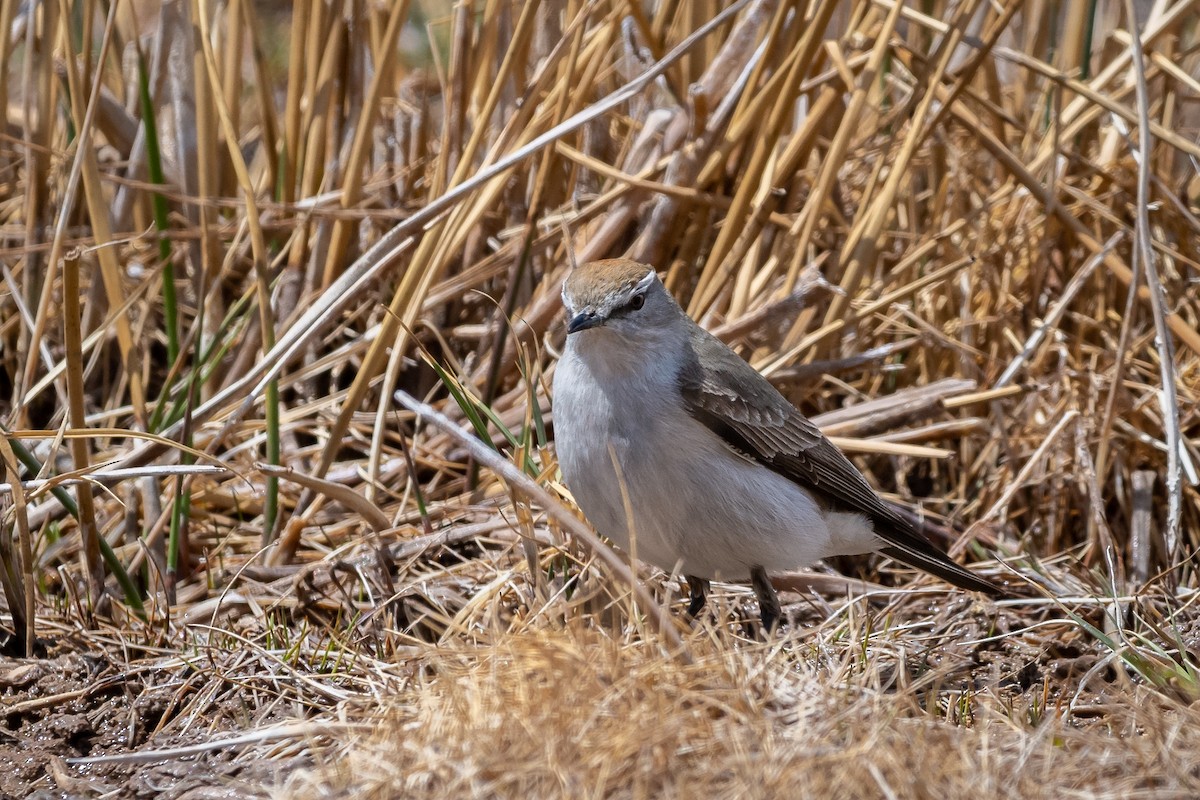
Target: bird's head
x=621, y=297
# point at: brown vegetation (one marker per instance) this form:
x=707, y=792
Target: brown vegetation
x=242, y=244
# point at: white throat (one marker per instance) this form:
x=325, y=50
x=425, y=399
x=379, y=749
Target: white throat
x=652, y=362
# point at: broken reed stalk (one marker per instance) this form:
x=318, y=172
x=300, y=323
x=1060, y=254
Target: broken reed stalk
x=89, y=532
x=1143, y=254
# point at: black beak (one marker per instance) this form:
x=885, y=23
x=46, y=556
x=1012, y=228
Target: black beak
x=581, y=322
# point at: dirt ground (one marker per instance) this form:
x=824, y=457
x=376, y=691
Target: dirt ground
x=76, y=704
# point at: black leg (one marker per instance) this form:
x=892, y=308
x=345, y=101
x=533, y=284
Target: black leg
x=768, y=601
x=699, y=590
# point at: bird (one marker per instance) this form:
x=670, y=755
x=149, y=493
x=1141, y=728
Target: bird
x=684, y=456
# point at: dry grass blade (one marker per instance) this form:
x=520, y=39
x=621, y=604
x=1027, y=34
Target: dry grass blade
x=1017, y=483
x=301, y=730
x=335, y=491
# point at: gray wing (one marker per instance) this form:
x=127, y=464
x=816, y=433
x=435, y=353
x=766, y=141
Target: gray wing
x=773, y=432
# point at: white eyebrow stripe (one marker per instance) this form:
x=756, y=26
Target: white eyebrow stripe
x=645, y=282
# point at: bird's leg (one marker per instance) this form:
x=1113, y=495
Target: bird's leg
x=699, y=590
x=768, y=601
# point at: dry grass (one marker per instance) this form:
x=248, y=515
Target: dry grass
x=963, y=236
x=570, y=713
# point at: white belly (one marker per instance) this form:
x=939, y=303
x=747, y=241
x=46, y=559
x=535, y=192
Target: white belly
x=666, y=489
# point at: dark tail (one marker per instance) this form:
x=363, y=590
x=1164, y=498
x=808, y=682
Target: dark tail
x=918, y=553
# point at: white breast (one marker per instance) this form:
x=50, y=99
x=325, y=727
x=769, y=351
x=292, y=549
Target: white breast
x=664, y=487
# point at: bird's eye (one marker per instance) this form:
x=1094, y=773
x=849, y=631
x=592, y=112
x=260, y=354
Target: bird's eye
x=637, y=302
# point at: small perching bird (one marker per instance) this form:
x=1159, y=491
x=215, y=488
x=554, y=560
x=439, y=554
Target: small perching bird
x=686, y=457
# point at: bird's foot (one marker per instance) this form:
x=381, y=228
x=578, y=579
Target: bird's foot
x=699, y=595
x=769, y=609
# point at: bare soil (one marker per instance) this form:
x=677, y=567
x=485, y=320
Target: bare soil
x=77, y=704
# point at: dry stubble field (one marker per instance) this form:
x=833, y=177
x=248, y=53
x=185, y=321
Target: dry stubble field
x=242, y=241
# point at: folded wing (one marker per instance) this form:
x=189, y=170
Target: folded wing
x=773, y=432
